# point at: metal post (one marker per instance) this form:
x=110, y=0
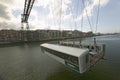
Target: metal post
x=80, y=43
x=27, y=26
x=95, y=41
x=95, y=45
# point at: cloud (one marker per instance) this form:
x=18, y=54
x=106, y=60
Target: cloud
x=58, y=8
x=11, y=10
x=37, y=20
x=89, y=8
x=6, y=25
x=8, y=9
x=3, y=12
x=7, y=1
x=54, y=7
x=102, y=2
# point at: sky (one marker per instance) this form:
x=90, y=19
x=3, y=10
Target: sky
x=63, y=15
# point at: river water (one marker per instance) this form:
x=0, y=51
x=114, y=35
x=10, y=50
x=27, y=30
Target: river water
x=27, y=62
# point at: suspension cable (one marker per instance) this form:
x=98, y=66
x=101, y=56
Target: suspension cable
x=73, y=17
x=54, y=13
x=53, y=21
x=81, y=18
x=97, y=17
x=87, y=16
x=75, y=24
x=76, y=14
x=60, y=18
x=82, y=23
x=72, y=12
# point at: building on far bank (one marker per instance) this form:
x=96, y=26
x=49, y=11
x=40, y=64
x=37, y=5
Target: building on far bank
x=37, y=35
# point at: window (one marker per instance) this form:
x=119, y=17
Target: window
x=67, y=57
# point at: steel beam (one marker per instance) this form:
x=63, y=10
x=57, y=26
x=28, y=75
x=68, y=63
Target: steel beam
x=27, y=10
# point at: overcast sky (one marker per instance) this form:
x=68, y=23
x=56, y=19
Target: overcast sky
x=46, y=15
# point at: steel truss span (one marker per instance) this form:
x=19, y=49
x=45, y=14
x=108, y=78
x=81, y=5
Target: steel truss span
x=27, y=9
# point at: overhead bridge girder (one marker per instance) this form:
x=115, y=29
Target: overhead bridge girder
x=27, y=9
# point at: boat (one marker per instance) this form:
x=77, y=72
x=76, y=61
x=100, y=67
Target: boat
x=76, y=58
